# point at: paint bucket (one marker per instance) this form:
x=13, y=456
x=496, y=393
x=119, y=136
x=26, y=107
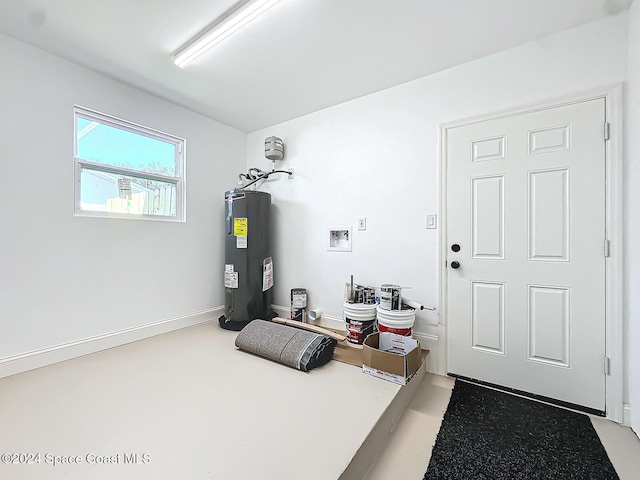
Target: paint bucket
x=298, y=304
x=396, y=321
x=390, y=297
x=360, y=321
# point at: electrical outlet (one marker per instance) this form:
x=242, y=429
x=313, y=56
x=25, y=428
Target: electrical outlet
x=362, y=223
x=291, y=176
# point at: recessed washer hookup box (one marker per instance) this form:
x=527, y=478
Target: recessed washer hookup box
x=391, y=357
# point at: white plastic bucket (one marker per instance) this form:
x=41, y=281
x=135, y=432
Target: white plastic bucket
x=360, y=321
x=396, y=321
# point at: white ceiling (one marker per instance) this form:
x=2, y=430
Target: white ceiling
x=299, y=57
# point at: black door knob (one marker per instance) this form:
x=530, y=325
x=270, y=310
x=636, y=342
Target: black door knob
x=455, y=264
x=455, y=247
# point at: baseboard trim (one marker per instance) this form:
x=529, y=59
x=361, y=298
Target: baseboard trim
x=626, y=415
x=426, y=337
x=283, y=312
x=325, y=321
x=47, y=356
x=332, y=322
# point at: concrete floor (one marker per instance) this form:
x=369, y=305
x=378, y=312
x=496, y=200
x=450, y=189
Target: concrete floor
x=186, y=404
x=189, y=405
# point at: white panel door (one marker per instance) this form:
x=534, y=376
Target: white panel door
x=526, y=207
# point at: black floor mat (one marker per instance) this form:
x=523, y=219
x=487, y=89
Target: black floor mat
x=487, y=434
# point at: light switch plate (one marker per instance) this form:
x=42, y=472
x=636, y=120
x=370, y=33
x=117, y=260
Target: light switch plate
x=432, y=221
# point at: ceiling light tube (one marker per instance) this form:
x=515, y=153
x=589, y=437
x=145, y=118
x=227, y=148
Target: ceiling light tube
x=221, y=30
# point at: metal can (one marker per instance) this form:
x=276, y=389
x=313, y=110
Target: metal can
x=358, y=295
x=390, y=297
x=369, y=296
x=298, y=304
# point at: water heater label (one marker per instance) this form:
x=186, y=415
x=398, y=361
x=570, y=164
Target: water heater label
x=267, y=274
x=231, y=279
x=241, y=242
x=240, y=227
x=228, y=267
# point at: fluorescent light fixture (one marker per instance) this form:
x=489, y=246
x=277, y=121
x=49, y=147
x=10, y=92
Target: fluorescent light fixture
x=221, y=30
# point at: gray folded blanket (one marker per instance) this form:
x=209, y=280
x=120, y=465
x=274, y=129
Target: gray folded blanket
x=290, y=346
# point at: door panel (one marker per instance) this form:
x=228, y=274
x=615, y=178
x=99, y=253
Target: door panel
x=526, y=204
x=487, y=317
x=549, y=215
x=549, y=324
x=487, y=212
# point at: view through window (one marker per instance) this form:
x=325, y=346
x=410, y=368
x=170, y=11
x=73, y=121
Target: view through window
x=127, y=170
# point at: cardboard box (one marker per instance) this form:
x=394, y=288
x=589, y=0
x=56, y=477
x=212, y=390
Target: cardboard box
x=391, y=357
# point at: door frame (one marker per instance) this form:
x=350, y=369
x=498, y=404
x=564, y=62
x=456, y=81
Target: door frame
x=614, y=284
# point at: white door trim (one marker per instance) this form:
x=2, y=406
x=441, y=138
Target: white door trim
x=614, y=225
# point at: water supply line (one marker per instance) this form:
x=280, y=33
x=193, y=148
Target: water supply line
x=261, y=176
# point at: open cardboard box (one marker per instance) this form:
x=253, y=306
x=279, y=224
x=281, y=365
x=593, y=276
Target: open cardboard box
x=391, y=357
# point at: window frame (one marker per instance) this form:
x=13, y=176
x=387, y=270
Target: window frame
x=179, y=180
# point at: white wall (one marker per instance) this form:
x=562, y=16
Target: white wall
x=66, y=278
x=632, y=194
x=378, y=156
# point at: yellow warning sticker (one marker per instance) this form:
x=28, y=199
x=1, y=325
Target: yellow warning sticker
x=240, y=227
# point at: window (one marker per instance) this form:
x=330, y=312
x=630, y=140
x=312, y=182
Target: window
x=126, y=170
